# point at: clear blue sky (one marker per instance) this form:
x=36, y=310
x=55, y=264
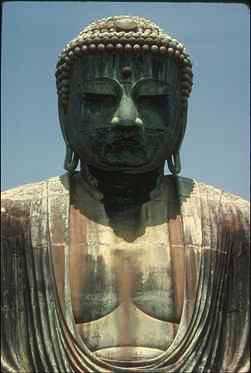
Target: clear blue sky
x=216, y=147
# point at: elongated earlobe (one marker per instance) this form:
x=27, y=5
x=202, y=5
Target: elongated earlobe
x=174, y=164
x=71, y=160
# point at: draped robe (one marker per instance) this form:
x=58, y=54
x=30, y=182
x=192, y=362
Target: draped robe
x=38, y=331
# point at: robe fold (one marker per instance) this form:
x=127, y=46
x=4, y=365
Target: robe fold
x=38, y=332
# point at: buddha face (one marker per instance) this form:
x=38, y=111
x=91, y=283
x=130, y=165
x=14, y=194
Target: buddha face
x=122, y=112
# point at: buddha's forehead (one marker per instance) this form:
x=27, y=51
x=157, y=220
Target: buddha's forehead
x=137, y=67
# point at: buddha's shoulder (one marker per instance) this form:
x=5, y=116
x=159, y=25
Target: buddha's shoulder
x=192, y=188
x=221, y=196
x=214, y=204
x=32, y=190
x=22, y=196
x=23, y=192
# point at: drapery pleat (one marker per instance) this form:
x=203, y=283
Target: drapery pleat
x=38, y=333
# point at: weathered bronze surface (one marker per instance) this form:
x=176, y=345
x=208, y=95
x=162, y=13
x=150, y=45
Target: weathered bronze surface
x=118, y=267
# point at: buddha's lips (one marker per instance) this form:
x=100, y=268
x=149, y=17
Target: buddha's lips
x=133, y=137
x=118, y=148
x=110, y=135
x=125, y=143
x=125, y=150
x=124, y=140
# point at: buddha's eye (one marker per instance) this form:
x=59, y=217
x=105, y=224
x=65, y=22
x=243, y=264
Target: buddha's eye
x=152, y=100
x=96, y=98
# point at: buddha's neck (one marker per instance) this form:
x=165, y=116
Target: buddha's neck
x=122, y=191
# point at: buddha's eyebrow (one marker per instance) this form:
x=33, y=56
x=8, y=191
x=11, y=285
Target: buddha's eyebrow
x=149, y=86
x=100, y=85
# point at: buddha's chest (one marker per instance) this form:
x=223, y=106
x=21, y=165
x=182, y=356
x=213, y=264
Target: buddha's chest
x=107, y=271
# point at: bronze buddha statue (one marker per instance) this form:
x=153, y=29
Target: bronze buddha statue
x=117, y=267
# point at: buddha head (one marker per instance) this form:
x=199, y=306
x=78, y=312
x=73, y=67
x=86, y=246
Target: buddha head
x=123, y=87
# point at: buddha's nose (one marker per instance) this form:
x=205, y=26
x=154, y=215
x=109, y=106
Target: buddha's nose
x=126, y=114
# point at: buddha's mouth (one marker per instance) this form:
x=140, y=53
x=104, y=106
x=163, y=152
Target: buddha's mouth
x=127, y=148
x=124, y=144
x=126, y=135
x=125, y=152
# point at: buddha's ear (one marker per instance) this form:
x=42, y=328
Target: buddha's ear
x=71, y=158
x=182, y=123
x=173, y=161
x=62, y=115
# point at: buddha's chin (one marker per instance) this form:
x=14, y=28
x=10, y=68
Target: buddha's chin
x=123, y=166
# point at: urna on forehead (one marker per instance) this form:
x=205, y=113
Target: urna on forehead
x=107, y=45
